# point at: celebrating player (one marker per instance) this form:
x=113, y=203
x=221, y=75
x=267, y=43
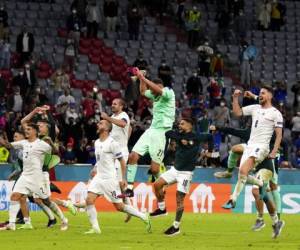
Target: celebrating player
x=265, y=119
x=153, y=140
x=106, y=182
x=187, y=149
x=120, y=132
x=31, y=181
x=265, y=171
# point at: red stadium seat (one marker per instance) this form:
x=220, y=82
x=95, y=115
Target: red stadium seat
x=85, y=42
x=62, y=32
x=84, y=50
x=97, y=43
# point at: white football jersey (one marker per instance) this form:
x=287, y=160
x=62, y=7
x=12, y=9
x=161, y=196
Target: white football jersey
x=119, y=134
x=264, y=121
x=33, y=155
x=107, y=152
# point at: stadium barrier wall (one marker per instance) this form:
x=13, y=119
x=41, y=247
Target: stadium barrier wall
x=207, y=193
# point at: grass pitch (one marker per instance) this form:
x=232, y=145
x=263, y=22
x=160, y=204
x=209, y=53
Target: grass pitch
x=198, y=231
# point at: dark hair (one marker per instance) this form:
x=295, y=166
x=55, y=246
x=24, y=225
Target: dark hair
x=268, y=88
x=188, y=120
x=122, y=102
x=158, y=81
x=34, y=126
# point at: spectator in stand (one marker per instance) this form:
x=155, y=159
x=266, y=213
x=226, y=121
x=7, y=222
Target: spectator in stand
x=25, y=45
x=217, y=65
x=280, y=92
x=80, y=7
x=296, y=90
x=3, y=23
x=60, y=80
x=133, y=19
x=214, y=91
x=194, y=85
x=236, y=6
x=70, y=54
x=3, y=86
x=277, y=15
x=203, y=123
x=165, y=73
x=204, y=58
x=64, y=101
x=140, y=61
x=15, y=101
x=264, y=15
x=180, y=12
x=89, y=105
x=69, y=156
x=74, y=26
x=296, y=125
x=93, y=19
x=91, y=159
x=223, y=20
x=110, y=10
x=81, y=152
x=241, y=26
x=20, y=80
x=245, y=65
x=71, y=113
x=221, y=115
x=5, y=54
x=296, y=160
x=30, y=77
x=41, y=95
x=193, y=26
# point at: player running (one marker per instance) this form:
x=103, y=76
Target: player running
x=153, y=140
x=265, y=120
x=31, y=181
x=106, y=182
x=187, y=150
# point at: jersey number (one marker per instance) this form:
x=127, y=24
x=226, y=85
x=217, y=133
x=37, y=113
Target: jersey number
x=256, y=122
x=160, y=153
x=185, y=183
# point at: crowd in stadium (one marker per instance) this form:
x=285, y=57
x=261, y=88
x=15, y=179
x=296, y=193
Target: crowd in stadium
x=24, y=84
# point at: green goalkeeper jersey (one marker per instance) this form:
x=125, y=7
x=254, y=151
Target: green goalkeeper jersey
x=163, y=109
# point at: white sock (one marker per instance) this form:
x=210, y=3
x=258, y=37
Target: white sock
x=92, y=213
x=274, y=218
x=239, y=187
x=254, y=181
x=47, y=211
x=176, y=224
x=64, y=203
x=27, y=220
x=13, y=211
x=162, y=205
x=260, y=216
x=80, y=204
x=55, y=209
x=131, y=210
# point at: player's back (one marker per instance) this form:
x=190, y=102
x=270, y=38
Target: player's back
x=107, y=152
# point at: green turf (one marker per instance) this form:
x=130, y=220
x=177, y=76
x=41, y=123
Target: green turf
x=201, y=231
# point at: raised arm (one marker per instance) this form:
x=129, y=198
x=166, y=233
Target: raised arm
x=237, y=111
x=145, y=83
x=29, y=116
x=119, y=122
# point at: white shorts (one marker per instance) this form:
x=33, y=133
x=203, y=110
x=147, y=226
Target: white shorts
x=125, y=154
x=182, y=178
x=110, y=188
x=259, y=152
x=46, y=183
x=34, y=186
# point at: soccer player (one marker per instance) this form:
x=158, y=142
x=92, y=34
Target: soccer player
x=187, y=150
x=153, y=139
x=120, y=132
x=106, y=182
x=31, y=181
x=48, y=205
x=267, y=171
x=265, y=120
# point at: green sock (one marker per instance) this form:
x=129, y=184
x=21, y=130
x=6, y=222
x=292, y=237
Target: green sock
x=232, y=161
x=277, y=200
x=131, y=172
